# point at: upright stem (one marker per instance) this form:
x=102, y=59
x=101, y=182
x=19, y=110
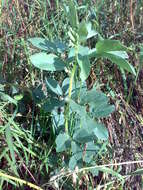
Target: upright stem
x=71, y=79
x=69, y=96
x=71, y=84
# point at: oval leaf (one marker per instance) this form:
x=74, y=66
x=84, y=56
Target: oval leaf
x=83, y=136
x=109, y=45
x=63, y=142
x=44, y=44
x=101, y=132
x=84, y=67
x=47, y=62
x=54, y=86
x=40, y=43
x=117, y=59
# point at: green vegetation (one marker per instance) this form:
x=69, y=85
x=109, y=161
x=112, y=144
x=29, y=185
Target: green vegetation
x=71, y=94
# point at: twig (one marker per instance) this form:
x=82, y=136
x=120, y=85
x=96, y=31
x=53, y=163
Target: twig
x=131, y=14
x=108, y=165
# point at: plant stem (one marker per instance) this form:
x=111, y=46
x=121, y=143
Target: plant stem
x=69, y=96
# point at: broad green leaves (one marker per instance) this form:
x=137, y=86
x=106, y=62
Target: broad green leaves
x=98, y=103
x=77, y=154
x=39, y=43
x=102, y=110
x=85, y=31
x=47, y=62
x=82, y=31
x=109, y=45
x=83, y=60
x=83, y=136
x=84, y=65
x=101, y=131
x=91, y=32
x=91, y=151
x=93, y=96
x=81, y=110
x=44, y=61
x=46, y=45
x=51, y=104
x=63, y=142
x=87, y=130
x=138, y=172
x=54, y=86
x=90, y=129
x=80, y=114
x=114, y=51
x=122, y=63
x=94, y=129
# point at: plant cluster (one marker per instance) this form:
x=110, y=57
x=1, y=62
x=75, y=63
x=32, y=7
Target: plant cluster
x=75, y=109
x=53, y=121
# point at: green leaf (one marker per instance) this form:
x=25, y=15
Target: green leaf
x=101, y=132
x=109, y=45
x=54, y=86
x=91, y=151
x=60, y=46
x=83, y=135
x=81, y=110
x=101, y=110
x=138, y=172
x=7, y=98
x=76, y=151
x=82, y=31
x=93, y=96
x=96, y=129
x=97, y=101
x=91, y=32
x=83, y=60
x=72, y=14
x=94, y=171
x=88, y=123
x=47, y=45
x=18, y=97
x=63, y=142
x=121, y=54
x=117, y=59
x=9, y=140
x=11, y=147
x=74, y=162
x=47, y=62
x=93, y=53
x=85, y=31
x=40, y=43
x=58, y=119
x=82, y=51
x=65, y=85
x=84, y=67
x=114, y=51
x=38, y=94
x=51, y=104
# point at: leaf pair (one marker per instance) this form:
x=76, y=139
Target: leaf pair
x=114, y=51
